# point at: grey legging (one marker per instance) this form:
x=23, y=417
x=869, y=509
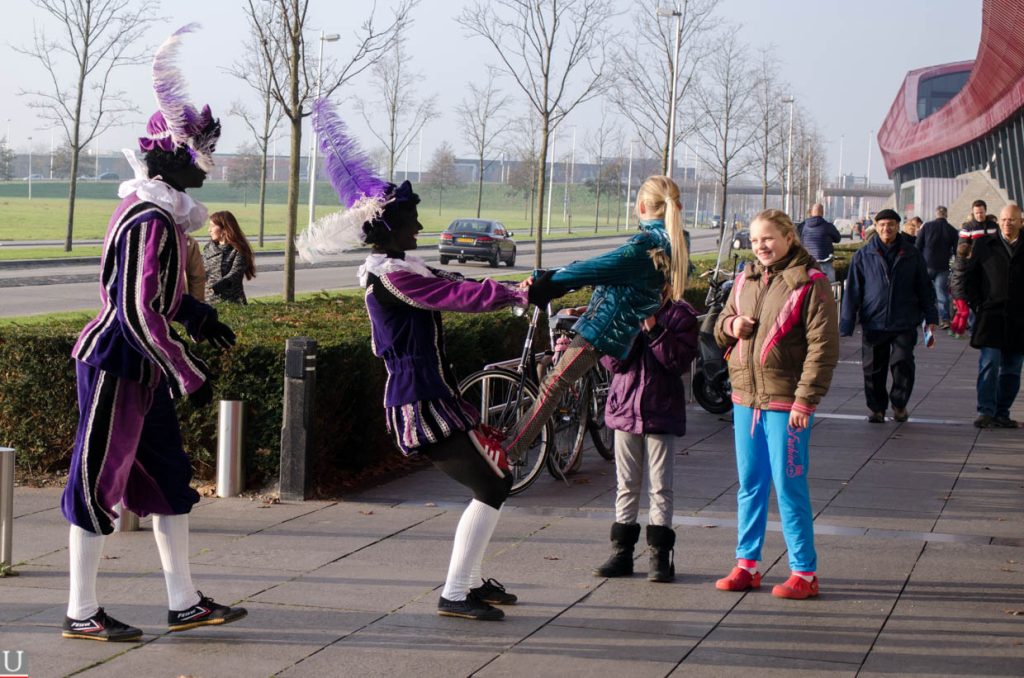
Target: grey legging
x=574, y=363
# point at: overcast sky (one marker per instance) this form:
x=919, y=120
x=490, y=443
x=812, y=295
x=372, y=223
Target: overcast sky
x=845, y=61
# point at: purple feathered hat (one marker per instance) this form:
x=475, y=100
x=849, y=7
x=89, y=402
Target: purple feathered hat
x=364, y=193
x=177, y=123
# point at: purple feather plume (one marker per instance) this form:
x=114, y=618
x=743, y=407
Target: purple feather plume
x=348, y=168
x=170, y=88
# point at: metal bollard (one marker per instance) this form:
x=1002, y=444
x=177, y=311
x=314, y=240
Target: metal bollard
x=230, y=435
x=126, y=520
x=297, y=428
x=6, y=511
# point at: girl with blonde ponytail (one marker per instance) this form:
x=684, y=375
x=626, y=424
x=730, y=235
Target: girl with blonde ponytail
x=637, y=320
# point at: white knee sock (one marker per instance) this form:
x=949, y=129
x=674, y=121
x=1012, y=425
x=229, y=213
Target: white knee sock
x=85, y=549
x=171, y=534
x=471, y=538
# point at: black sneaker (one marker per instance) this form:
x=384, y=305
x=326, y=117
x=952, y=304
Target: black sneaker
x=100, y=626
x=470, y=608
x=1004, y=422
x=492, y=592
x=877, y=417
x=204, y=613
x=984, y=421
x=900, y=414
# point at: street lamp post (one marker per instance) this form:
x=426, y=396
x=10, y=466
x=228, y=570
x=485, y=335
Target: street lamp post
x=789, y=155
x=551, y=186
x=629, y=183
x=333, y=37
x=665, y=11
x=30, y=168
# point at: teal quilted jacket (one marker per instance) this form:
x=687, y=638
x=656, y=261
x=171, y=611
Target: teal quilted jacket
x=627, y=290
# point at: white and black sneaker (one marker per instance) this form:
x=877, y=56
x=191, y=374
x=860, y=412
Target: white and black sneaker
x=204, y=613
x=100, y=626
x=470, y=608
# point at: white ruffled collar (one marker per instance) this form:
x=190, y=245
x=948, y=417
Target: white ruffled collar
x=381, y=264
x=188, y=213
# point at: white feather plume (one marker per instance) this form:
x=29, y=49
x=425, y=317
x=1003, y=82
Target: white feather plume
x=339, y=231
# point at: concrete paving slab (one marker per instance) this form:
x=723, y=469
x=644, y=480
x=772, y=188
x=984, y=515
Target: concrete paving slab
x=705, y=663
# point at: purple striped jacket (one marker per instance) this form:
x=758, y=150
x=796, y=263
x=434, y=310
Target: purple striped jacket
x=142, y=290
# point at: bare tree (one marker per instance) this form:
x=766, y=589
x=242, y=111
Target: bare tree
x=481, y=122
x=725, y=106
x=599, y=143
x=643, y=71
x=555, y=51
x=96, y=38
x=524, y=148
x=295, y=86
x=769, y=114
x=254, y=68
x=246, y=169
x=397, y=116
x=442, y=172
x=6, y=161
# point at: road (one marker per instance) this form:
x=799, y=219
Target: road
x=49, y=288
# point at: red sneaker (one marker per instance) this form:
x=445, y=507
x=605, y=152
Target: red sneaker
x=739, y=580
x=796, y=588
x=488, y=443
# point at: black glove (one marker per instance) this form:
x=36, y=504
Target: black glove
x=543, y=290
x=202, y=396
x=218, y=334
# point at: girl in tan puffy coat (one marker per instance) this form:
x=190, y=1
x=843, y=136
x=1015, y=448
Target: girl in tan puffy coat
x=781, y=329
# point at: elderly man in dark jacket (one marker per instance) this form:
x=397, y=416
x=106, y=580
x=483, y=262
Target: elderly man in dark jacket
x=888, y=289
x=818, y=237
x=937, y=242
x=988, y=276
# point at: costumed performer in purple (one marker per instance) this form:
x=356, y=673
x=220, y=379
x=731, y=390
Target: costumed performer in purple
x=131, y=363
x=404, y=298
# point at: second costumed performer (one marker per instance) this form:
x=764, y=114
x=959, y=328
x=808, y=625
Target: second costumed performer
x=404, y=298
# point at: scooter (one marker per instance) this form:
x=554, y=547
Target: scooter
x=710, y=383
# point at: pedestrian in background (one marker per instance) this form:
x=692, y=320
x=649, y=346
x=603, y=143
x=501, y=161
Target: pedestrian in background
x=195, y=269
x=911, y=227
x=780, y=329
x=937, y=242
x=988, y=275
x=228, y=259
x=819, y=238
x=888, y=290
x=646, y=408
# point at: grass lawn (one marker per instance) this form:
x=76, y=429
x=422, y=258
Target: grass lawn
x=44, y=217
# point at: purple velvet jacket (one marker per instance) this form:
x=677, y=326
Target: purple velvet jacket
x=404, y=298
x=143, y=289
x=646, y=394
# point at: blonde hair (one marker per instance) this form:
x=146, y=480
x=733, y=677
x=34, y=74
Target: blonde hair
x=660, y=197
x=779, y=220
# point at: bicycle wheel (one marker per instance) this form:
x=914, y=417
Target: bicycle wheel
x=502, y=399
x=603, y=437
x=570, y=428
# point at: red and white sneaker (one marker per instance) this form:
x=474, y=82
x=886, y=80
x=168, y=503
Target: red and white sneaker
x=796, y=588
x=488, y=442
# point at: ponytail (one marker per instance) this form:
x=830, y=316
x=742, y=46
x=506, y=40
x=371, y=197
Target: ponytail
x=660, y=197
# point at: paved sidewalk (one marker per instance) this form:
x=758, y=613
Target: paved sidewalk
x=920, y=529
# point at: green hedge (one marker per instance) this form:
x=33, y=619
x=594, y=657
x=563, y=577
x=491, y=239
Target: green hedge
x=38, y=410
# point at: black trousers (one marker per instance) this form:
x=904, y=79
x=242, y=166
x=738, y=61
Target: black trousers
x=458, y=458
x=882, y=352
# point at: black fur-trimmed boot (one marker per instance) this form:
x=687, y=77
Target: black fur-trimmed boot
x=662, y=541
x=620, y=564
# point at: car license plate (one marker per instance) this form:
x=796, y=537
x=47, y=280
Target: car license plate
x=468, y=240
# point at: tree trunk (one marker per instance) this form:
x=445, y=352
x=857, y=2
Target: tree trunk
x=597, y=209
x=542, y=172
x=293, y=197
x=480, y=186
x=76, y=125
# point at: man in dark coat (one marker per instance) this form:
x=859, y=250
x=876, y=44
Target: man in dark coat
x=818, y=237
x=888, y=289
x=937, y=242
x=988, y=277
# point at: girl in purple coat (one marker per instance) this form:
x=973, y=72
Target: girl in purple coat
x=646, y=407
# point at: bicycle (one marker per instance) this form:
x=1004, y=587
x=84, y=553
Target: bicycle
x=503, y=391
